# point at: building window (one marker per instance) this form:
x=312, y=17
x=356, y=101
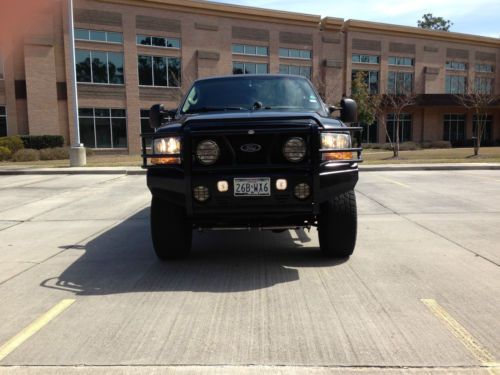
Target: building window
x=296, y=53
x=371, y=79
x=249, y=68
x=365, y=59
x=99, y=67
x=485, y=68
x=103, y=127
x=405, y=123
x=483, y=85
x=400, y=83
x=370, y=133
x=244, y=49
x=401, y=61
x=304, y=71
x=158, y=41
x=456, y=65
x=487, y=135
x=3, y=122
x=99, y=36
x=455, y=84
x=159, y=71
x=145, y=127
x=454, y=128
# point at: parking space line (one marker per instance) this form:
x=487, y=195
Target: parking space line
x=472, y=344
x=394, y=181
x=33, y=328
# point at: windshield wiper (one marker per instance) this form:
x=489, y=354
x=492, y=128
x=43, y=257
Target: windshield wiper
x=283, y=107
x=216, y=109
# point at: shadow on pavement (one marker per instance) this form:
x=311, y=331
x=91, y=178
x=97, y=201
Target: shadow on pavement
x=121, y=260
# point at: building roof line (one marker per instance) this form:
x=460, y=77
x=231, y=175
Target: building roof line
x=415, y=32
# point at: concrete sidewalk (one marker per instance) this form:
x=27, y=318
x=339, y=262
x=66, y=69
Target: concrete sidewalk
x=138, y=170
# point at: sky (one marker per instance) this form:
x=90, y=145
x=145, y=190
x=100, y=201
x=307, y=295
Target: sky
x=480, y=17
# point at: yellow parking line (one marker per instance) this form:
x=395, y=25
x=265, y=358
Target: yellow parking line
x=394, y=181
x=33, y=328
x=473, y=346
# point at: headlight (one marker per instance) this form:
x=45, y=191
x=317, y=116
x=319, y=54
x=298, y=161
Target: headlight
x=294, y=149
x=167, y=146
x=336, y=141
x=207, y=152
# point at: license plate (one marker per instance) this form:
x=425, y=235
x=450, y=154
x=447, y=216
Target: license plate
x=252, y=187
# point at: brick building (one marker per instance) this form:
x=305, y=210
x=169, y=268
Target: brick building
x=131, y=54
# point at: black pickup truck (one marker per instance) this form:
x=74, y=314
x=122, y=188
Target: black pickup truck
x=252, y=151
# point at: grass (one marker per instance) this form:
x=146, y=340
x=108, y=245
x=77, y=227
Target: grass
x=371, y=156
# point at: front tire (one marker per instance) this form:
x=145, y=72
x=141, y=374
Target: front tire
x=170, y=230
x=337, y=226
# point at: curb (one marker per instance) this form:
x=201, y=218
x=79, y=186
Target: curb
x=138, y=171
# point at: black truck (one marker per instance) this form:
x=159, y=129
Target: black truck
x=252, y=152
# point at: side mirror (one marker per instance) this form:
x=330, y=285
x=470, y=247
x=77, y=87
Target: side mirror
x=156, y=114
x=348, y=110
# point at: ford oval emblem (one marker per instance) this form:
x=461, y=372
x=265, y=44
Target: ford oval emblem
x=251, y=147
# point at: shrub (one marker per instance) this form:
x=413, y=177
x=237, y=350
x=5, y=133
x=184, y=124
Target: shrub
x=56, y=153
x=39, y=142
x=13, y=143
x=26, y=154
x=5, y=153
x=409, y=146
x=440, y=144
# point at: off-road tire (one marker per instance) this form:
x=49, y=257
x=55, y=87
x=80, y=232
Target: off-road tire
x=337, y=226
x=170, y=230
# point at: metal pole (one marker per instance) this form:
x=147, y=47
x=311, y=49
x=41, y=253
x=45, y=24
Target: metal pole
x=77, y=153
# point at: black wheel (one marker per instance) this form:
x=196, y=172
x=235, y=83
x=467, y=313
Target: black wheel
x=337, y=226
x=170, y=230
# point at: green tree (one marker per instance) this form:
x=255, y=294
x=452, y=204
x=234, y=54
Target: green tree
x=428, y=21
x=368, y=104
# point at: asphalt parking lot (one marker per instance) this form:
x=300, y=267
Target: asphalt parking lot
x=81, y=290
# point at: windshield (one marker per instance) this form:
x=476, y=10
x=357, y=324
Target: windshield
x=252, y=92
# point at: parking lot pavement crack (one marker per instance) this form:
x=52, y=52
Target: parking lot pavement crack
x=403, y=216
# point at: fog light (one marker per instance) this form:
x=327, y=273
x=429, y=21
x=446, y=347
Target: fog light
x=201, y=193
x=281, y=184
x=222, y=186
x=302, y=191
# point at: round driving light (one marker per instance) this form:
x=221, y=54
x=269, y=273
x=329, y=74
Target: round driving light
x=201, y=193
x=281, y=184
x=302, y=191
x=222, y=186
x=207, y=152
x=294, y=149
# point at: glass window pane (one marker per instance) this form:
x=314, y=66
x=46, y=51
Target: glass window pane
x=159, y=42
x=99, y=67
x=250, y=68
x=115, y=62
x=82, y=34
x=82, y=60
x=174, y=72
x=145, y=128
x=86, y=112
x=145, y=72
x=295, y=70
x=118, y=113
x=355, y=58
x=295, y=53
x=2, y=111
x=238, y=68
x=119, y=127
x=250, y=50
x=283, y=52
x=144, y=40
x=305, y=54
x=160, y=71
x=261, y=68
x=145, y=113
x=238, y=48
x=115, y=37
x=284, y=69
x=102, y=112
x=305, y=71
x=173, y=43
x=99, y=36
x=392, y=60
x=262, y=51
x=3, y=127
x=103, y=132
x=87, y=132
